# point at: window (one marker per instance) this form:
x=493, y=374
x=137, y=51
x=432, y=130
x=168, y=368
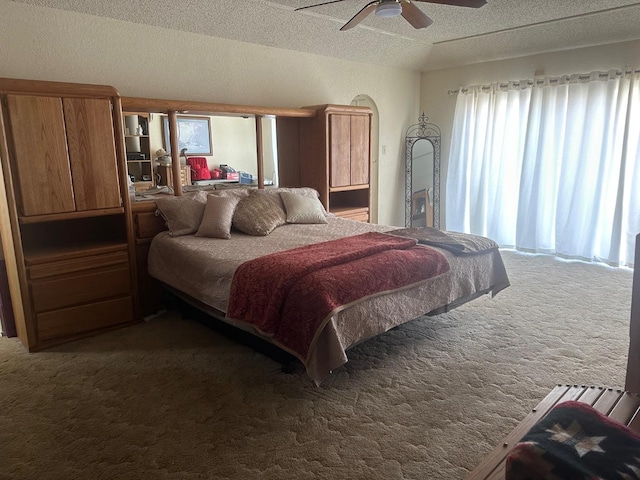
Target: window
x=549, y=166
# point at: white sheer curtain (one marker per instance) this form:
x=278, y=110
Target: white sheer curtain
x=549, y=166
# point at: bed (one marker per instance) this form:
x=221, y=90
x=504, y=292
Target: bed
x=202, y=269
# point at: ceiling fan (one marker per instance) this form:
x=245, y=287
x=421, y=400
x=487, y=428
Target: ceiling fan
x=392, y=8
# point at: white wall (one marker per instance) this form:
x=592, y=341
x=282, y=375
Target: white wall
x=439, y=106
x=143, y=61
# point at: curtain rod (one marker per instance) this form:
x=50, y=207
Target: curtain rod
x=539, y=81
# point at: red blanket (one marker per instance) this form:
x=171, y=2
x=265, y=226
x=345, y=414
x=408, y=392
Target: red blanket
x=290, y=295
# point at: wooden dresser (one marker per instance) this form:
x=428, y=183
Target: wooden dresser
x=335, y=158
x=146, y=226
x=66, y=224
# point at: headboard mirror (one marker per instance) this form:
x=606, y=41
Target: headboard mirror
x=233, y=142
x=261, y=141
x=422, y=174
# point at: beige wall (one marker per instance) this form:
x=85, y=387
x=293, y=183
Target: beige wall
x=439, y=106
x=47, y=44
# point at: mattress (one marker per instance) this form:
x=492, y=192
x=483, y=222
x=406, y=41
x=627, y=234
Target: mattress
x=203, y=269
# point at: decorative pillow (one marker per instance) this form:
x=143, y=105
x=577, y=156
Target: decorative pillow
x=182, y=214
x=304, y=191
x=259, y=213
x=217, y=217
x=238, y=193
x=301, y=209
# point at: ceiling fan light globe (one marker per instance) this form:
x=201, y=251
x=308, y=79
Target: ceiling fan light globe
x=389, y=9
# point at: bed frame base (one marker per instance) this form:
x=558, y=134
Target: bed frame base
x=212, y=318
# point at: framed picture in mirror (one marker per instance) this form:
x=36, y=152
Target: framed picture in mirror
x=194, y=134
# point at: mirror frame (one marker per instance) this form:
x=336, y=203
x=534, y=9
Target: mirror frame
x=423, y=130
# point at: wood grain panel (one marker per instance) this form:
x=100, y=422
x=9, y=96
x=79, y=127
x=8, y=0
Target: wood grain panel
x=85, y=318
x=314, y=162
x=150, y=291
x=626, y=408
x=9, y=233
x=607, y=401
x=76, y=289
x=78, y=264
x=59, y=89
x=360, y=155
x=359, y=214
x=92, y=153
x=40, y=159
x=288, y=132
x=148, y=225
x=157, y=105
x=340, y=153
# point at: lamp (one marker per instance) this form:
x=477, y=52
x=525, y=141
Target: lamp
x=388, y=9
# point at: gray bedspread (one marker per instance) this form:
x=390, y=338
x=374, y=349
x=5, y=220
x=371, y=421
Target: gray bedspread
x=203, y=269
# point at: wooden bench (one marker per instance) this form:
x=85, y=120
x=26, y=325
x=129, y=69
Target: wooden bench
x=617, y=404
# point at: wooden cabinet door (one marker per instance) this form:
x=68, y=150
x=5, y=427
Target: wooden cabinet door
x=349, y=154
x=359, y=153
x=340, y=152
x=40, y=163
x=92, y=153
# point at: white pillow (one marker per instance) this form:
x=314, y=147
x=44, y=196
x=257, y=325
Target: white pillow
x=304, y=191
x=302, y=209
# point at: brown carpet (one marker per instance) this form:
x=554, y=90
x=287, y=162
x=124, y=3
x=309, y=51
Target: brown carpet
x=172, y=399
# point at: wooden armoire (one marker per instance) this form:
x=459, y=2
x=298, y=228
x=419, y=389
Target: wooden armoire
x=335, y=158
x=64, y=209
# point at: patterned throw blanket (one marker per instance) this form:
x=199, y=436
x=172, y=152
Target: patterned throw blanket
x=290, y=295
x=457, y=243
x=575, y=441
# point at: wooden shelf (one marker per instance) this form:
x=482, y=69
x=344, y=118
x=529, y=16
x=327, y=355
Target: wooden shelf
x=54, y=253
x=141, y=170
x=58, y=217
x=349, y=210
x=153, y=105
x=349, y=188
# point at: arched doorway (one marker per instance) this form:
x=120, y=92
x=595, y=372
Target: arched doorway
x=366, y=101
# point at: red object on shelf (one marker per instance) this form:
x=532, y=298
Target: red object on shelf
x=233, y=176
x=199, y=168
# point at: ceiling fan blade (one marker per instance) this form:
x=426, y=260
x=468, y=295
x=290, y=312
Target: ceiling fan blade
x=415, y=16
x=457, y=3
x=358, y=17
x=317, y=5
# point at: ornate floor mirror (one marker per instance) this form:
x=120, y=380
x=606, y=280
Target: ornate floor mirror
x=422, y=174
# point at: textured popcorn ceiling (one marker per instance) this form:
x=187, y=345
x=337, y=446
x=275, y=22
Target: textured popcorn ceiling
x=459, y=36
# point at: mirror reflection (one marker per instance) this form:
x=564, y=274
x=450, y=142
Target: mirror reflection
x=422, y=175
x=422, y=184
x=233, y=149
x=270, y=150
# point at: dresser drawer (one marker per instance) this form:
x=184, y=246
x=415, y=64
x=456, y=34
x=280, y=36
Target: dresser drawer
x=361, y=215
x=84, y=318
x=148, y=225
x=89, y=262
x=80, y=287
